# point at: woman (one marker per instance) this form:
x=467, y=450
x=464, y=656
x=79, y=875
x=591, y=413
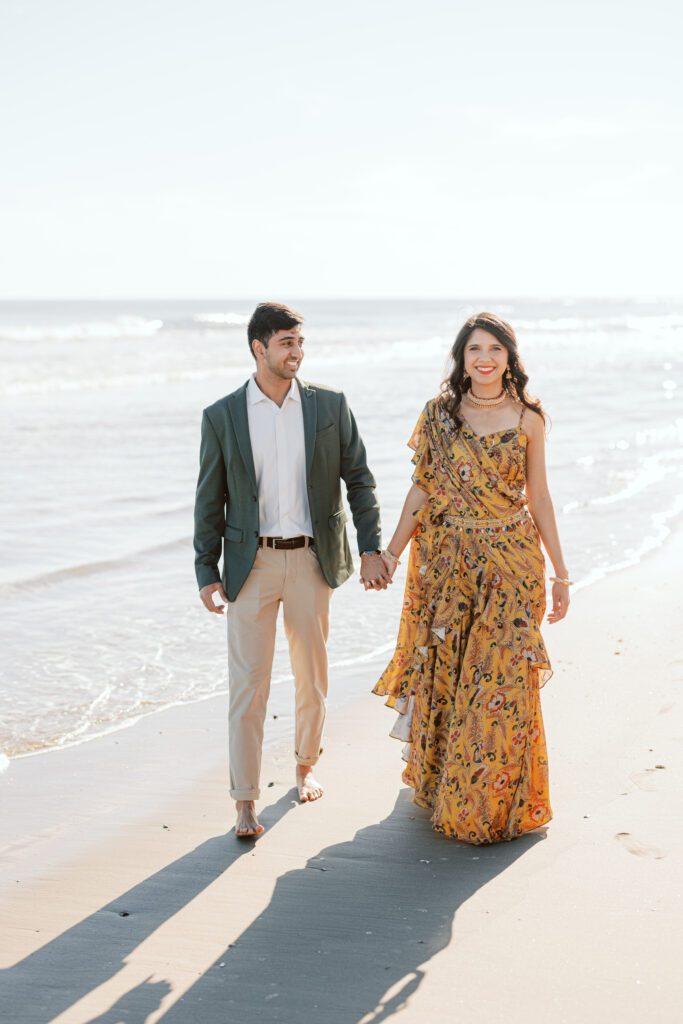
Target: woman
x=470, y=658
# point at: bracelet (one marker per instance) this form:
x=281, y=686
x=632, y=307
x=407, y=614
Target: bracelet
x=391, y=555
x=556, y=579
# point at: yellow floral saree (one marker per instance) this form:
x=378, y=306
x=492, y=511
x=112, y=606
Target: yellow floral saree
x=470, y=658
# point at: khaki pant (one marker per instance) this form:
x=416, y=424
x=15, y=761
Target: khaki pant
x=293, y=578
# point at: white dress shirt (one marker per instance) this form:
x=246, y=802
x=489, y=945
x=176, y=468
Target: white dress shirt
x=277, y=444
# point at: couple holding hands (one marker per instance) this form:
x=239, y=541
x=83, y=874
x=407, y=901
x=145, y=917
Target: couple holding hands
x=470, y=658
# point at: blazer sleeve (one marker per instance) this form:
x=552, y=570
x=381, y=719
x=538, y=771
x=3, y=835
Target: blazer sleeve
x=210, y=506
x=360, y=483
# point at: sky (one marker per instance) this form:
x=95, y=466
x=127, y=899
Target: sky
x=205, y=149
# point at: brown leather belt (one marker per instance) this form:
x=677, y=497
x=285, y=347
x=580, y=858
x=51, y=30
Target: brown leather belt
x=285, y=544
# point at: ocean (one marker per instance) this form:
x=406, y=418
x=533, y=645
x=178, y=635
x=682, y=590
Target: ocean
x=100, y=413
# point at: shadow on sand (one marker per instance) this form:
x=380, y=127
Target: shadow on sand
x=41, y=986
x=135, y=1005
x=343, y=940
x=346, y=938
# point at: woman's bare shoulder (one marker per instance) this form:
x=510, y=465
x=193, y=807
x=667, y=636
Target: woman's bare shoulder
x=532, y=422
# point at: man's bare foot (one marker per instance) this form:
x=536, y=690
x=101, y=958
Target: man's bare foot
x=309, y=788
x=247, y=825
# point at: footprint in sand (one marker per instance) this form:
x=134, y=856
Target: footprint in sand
x=637, y=848
x=647, y=780
x=676, y=664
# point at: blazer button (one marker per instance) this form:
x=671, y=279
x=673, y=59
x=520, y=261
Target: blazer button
x=256, y=533
x=254, y=497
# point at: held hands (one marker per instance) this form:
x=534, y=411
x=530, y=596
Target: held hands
x=374, y=574
x=206, y=594
x=388, y=563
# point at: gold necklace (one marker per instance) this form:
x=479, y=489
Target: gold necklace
x=486, y=403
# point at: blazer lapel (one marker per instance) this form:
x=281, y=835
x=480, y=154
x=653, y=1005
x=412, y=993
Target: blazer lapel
x=240, y=421
x=309, y=410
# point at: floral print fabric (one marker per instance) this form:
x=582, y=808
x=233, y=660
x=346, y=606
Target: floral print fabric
x=469, y=646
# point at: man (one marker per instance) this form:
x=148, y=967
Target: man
x=271, y=460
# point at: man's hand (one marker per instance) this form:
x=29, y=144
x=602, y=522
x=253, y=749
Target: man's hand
x=373, y=572
x=207, y=599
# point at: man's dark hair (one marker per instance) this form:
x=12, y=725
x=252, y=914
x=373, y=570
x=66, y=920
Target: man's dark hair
x=267, y=319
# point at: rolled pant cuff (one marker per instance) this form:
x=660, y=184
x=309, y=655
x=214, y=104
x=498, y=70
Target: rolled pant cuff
x=308, y=761
x=245, y=794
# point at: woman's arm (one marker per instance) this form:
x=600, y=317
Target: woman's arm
x=415, y=499
x=542, y=511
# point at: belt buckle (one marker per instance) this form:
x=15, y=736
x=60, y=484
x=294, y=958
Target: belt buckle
x=286, y=543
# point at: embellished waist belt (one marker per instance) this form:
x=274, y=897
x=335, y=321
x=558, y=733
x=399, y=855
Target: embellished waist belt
x=471, y=523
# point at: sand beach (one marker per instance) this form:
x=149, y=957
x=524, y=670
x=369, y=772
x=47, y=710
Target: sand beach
x=167, y=168
x=126, y=897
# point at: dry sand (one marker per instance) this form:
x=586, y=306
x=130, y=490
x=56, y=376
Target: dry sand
x=125, y=897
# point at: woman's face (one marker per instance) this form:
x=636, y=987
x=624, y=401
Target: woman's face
x=486, y=359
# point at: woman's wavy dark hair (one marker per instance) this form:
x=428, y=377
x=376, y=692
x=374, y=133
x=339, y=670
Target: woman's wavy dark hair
x=456, y=384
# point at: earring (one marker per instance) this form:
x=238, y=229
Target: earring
x=507, y=374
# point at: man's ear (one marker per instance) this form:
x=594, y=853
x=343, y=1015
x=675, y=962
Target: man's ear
x=258, y=348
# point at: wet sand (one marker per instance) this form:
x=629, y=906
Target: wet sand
x=125, y=895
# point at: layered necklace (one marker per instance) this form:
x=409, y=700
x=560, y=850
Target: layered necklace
x=486, y=403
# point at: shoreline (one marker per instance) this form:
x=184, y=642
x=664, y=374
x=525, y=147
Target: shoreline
x=125, y=891
x=673, y=529
x=362, y=659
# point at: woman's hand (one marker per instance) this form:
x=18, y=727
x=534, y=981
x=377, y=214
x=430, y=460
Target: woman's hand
x=391, y=562
x=560, y=602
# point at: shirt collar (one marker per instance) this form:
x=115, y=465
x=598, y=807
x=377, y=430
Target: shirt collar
x=255, y=395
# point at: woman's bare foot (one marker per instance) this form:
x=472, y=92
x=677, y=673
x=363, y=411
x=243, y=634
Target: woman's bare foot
x=309, y=788
x=247, y=825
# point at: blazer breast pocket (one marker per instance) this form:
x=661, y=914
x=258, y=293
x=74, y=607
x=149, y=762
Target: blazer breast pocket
x=325, y=432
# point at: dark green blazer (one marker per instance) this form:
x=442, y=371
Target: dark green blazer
x=226, y=506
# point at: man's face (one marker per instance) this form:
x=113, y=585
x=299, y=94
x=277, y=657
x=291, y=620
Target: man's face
x=284, y=353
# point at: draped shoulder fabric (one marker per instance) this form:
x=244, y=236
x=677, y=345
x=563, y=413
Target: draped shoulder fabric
x=470, y=658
